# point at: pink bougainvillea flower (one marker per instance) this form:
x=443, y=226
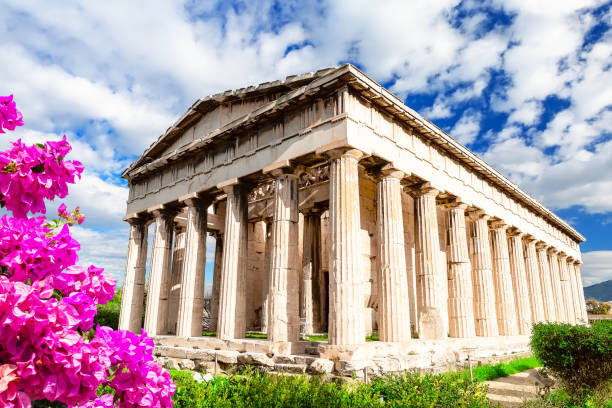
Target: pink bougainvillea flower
x=47, y=301
x=31, y=174
x=62, y=211
x=10, y=117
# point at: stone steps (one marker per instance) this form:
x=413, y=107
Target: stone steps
x=512, y=391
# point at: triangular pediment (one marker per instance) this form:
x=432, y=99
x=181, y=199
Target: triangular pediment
x=216, y=111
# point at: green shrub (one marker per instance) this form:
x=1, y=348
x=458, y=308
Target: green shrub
x=580, y=356
x=560, y=399
x=260, y=390
x=108, y=314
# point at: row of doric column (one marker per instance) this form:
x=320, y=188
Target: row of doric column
x=496, y=280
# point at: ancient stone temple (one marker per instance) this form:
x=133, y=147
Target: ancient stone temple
x=336, y=209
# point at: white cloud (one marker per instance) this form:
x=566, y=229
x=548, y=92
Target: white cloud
x=105, y=249
x=526, y=114
x=466, y=129
x=439, y=110
x=596, y=267
x=517, y=160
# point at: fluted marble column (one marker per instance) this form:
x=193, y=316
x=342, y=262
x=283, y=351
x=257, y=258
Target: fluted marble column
x=283, y=298
x=130, y=317
x=485, y=316
x=311, y=264
x=430, y=273
x=393, y=308
x=178, y=254
x=346, y=325
x=536, y=292
x=555, y=279
x=566, y=289
x=519, y=281
x=191, y=305
x=214, y=301
x=460, y=290
x=232, y=294
x=582, y=305
x=504, y=294
x=156, y=314
x=575, y=297
x=548, y=293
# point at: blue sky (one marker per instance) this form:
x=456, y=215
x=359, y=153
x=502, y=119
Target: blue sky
x=525, y=84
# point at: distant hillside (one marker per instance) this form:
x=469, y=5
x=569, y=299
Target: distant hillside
x=601, y=291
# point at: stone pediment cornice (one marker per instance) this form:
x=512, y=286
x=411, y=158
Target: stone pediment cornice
x=308, y=86
x=208, y=103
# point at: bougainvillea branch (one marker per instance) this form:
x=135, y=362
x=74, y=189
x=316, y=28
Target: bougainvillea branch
x=48, y=302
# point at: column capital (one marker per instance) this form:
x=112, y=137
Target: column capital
x=515, y=232
x=422, y=189
x=137, y=218
x=529, y=238
x=450, y=202
x=314, y=210
x=230, y=185
x=496, y=223
x=283, y=167
x=552, y=250
x=386, y=171
x=345, y=151
x=562, y=255
x=195, y=200
x=541, y=245
x=570, y=259
x=163, y=210
x=577, y=262
x=475, y=213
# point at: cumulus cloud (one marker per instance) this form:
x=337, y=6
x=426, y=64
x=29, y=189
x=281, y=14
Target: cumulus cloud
x=106, y=249
x=467, y=128
x=597, y=267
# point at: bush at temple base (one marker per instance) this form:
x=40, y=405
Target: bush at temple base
x=580, y=356
x=260, y=390
x=47, y=301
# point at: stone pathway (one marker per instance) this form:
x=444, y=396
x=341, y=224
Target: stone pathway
x=512, y=391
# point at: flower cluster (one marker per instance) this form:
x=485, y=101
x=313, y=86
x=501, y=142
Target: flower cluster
x=138, y=380
x=70, y=218
x=31, y=174
x=47, y=301
x=10, y=396
x=37, y=334
x=10, y=117
x=29, y=251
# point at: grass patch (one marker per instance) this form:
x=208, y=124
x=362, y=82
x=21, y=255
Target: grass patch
x=316, y=337
x=256, y=336
x=323, y=337
x=490, y=372
x=206, y=333
x=372, y=337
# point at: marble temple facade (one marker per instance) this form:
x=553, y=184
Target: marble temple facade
x=336, y=209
